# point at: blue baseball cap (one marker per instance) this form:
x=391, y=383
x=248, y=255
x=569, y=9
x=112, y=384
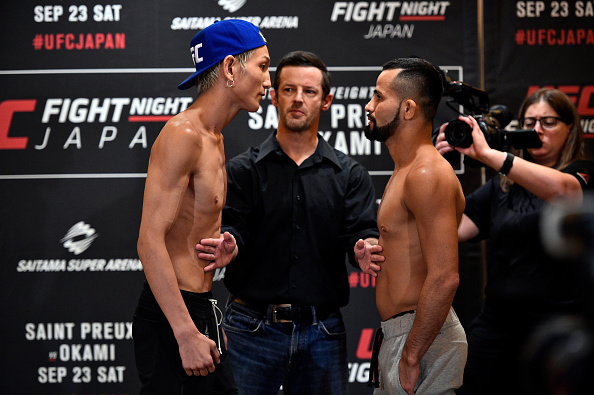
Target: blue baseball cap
x=227, y=37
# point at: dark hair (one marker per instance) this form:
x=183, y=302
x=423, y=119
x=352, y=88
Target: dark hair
x=304, y=59
x=561, y=103
x=419, y=80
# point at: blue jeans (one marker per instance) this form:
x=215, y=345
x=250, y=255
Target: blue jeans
x=305, y=358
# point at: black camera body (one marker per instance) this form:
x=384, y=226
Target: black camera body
x=459, y=134
x=491, y=121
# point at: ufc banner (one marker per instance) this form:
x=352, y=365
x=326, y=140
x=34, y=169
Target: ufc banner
x=535, y=44
x=88, y=85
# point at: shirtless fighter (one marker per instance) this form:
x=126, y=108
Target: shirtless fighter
x=424, y=347
x=179, y=346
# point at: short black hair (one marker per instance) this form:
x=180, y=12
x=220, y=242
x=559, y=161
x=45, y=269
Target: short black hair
x=420, y=80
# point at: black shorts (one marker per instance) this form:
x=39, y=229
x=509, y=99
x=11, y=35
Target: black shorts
x=156, y=351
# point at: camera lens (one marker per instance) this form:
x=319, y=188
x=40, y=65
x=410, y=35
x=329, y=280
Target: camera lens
x=458, y=134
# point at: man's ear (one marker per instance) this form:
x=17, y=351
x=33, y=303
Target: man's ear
x=227, y=67
x=410, y=109
x=273, y=97
x=327, y=102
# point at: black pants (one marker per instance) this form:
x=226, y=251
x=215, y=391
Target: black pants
x=156, y=351
x=496, y=362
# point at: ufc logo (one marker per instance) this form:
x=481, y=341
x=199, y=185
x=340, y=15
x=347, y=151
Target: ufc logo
x=7, y=110
x=195, y=56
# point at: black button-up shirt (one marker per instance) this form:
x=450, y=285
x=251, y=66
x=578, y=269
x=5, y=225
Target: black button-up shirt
x=294, y=224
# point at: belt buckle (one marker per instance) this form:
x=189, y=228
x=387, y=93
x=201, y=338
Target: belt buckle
x=280, y=321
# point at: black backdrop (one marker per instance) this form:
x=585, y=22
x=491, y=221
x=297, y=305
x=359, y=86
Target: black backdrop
x=87, y=85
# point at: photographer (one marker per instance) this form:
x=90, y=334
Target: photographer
x=525, y=286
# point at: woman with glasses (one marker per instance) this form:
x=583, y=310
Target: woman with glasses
x=525, y=287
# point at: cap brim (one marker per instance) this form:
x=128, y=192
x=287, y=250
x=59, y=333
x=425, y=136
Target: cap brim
x=189, y=82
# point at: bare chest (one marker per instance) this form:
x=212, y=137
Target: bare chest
x=392, y=214
x=208, y=183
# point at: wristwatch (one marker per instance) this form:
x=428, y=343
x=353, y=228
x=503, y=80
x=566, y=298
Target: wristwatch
x=507, y=164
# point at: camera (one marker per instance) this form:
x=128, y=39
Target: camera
x=491, y=121
x=459, y=134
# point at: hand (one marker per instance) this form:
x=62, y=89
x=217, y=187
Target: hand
x=479, y=148
x=220, y=251
x=198, y=354
x=367, y=255
x=408, y=376
x=441, y=144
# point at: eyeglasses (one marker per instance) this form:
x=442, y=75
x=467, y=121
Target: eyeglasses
x=545, y=122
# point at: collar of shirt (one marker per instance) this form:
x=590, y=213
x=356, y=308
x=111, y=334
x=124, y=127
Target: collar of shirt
x=323, y=150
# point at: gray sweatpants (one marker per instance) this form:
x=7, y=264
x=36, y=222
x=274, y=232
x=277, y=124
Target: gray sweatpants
x=442, y=366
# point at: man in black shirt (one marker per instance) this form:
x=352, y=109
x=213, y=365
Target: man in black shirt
x=294, y=207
